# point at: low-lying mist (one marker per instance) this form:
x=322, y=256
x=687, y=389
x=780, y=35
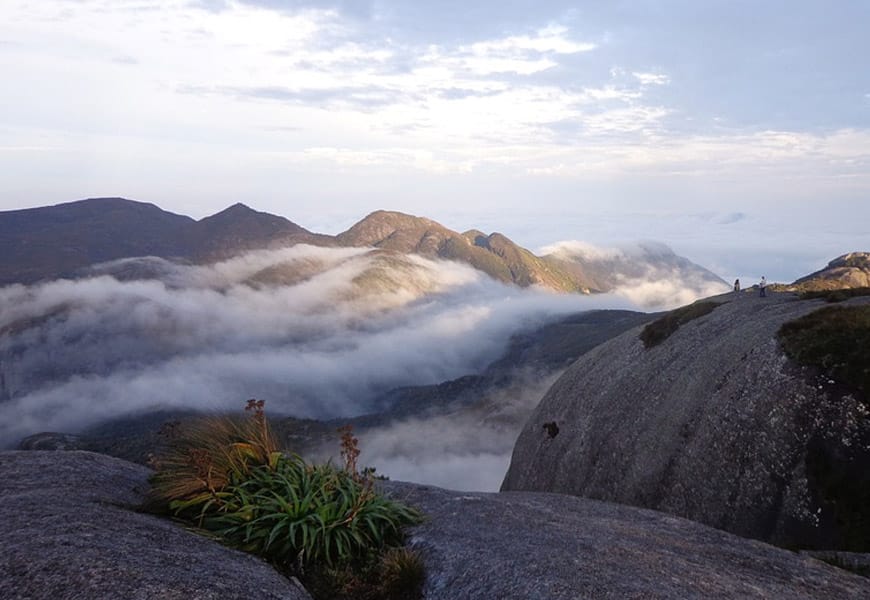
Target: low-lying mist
x=467, y=450
x=317, y=332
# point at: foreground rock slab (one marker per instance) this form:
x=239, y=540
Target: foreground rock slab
x=71, y=531
x=532, y=545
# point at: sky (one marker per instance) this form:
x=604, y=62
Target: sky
x=736, y=132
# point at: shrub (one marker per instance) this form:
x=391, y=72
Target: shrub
x=297, y=514
x=205, y=454
x=397, y=575
x=402, y=574
x=835, y=340
x=325, y=524
x=840, y=562
x=661, y=329
x=838, y=295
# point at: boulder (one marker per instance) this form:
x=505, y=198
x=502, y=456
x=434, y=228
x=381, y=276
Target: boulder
x=73, y=531
x=714, y=424
x=539, y=546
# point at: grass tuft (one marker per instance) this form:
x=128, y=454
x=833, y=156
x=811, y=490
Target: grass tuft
x=661, y=329
x=206, y=454
x=402, y=574
x=835, y=340
x=838, y=295
x=324, y=524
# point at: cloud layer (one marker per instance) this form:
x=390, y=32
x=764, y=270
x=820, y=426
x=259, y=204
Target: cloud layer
x=466, y=450
x=317, y=332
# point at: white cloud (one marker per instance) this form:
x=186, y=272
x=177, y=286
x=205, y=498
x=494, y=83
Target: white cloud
x=667, y=293
x=297, y=110
x=225, y=75
x=350, y=324
x=467, y=449
x=549, y=39
x=584, y=250
x=652, y=78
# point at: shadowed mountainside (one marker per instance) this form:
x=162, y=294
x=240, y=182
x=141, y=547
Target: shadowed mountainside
x=57, y=241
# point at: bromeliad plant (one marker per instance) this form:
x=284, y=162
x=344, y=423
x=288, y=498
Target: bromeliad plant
x=228, y=477
x=294, y=513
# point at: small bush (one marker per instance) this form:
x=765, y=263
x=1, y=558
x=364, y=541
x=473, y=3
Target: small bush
x=835, y=295
x=402, y=574
x=204, y=455
x=841, y=563
x=296, y=514
x=398, y=574
x=834, y=339
x=661, y=329
x=324, y=524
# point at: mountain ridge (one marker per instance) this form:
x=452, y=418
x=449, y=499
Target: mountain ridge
x=61, y=241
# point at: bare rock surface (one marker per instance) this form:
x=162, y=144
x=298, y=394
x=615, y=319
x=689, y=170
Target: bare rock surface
x=72, y=533
x=539, y=546
x=715, y=424
x=847, y=271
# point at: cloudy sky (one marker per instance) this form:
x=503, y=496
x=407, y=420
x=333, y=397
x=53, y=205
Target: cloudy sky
x=738, y=132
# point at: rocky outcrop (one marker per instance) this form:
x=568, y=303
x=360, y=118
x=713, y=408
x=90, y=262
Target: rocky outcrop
x=536, y=546
x=848, y=271
x=72, y=531
x=714, y=424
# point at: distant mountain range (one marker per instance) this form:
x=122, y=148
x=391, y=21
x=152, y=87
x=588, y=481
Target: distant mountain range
x=62, y=241
x=56, y=241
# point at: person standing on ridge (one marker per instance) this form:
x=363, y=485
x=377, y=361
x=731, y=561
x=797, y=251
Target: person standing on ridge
x=736, y=286
x=762, y=287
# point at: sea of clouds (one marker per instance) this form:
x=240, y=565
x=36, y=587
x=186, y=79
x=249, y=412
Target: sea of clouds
x=316, y=332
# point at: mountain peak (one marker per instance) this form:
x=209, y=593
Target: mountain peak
x=239, y=207
x=237, y=210
x=396, y=219
x=239, y=228
x=392, y=230
x=240, y=217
